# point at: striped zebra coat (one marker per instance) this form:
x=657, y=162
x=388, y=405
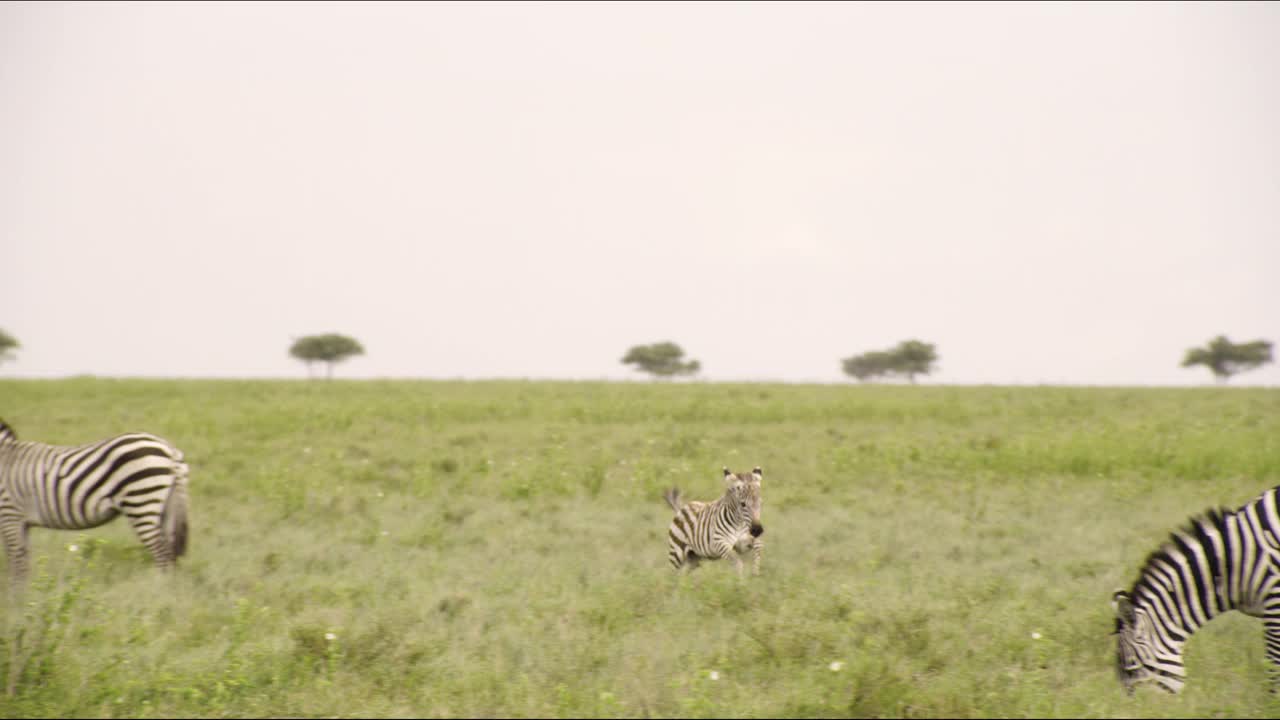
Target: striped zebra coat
x=1223, y=560
x=137, y=475
x=728, y=527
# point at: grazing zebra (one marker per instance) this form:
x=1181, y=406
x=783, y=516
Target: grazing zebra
x=76, y=488
x=728, y=527
x=1223, y=560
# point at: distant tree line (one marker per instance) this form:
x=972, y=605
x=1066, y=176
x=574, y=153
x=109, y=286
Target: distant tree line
x=908, y=359
x=912, y=358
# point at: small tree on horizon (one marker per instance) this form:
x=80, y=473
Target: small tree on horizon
x=330, y=348
x=913, y=357
x=1225, y=358
x=868, y=365
x=909, y=358
x=8, y=344
x=662, y=360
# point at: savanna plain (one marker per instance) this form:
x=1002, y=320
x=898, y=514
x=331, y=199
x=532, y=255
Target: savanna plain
x=444, y=549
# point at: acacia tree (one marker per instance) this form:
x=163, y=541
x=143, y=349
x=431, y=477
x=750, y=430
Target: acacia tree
x=330, y=348
x=868, y=365
x=913, y=357
x=909, y=358
x=8, y=344
x=662, y=360
x=1226, y=358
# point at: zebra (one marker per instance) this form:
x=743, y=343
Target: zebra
x=1222, y=560
x=138, y=475
x=727, y=527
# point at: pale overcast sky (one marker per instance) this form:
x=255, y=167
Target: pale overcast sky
x=1051, y=193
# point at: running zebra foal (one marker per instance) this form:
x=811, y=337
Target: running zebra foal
x=728, y=527
x=1223, y=560
x=137, y=475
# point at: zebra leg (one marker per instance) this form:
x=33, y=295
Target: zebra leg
x=731, y=552
x=1271, y=627
x=757, y=551
x=677, y=552
x=676, y=557
x=683, y=561
x=151, y=533
x=14, y=530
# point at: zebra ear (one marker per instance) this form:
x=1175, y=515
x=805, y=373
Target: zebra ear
x=758, y=472
x=1123, y=605
x=727, y=473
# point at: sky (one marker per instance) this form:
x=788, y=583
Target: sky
x=1059, y=193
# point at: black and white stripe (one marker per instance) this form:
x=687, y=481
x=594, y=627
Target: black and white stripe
x=728, y=527
x=1223, y=560
x=137, y=475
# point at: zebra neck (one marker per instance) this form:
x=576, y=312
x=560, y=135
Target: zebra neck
x=1179, y=610
x=1171, y=626
x=728, y=510
x=1204, y=570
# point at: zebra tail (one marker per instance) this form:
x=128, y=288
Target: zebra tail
x=174, y=515
x=672, y=497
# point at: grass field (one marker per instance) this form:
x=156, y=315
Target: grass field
x=498, y=549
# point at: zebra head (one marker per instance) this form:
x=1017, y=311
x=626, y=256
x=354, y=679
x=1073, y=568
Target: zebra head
x=6, y=433
x=744, y=493
x=1140, y=656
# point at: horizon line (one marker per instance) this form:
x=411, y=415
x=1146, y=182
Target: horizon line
x=614, y=380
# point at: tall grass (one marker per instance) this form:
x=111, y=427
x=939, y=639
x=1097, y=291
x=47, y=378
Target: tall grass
x=498, y=548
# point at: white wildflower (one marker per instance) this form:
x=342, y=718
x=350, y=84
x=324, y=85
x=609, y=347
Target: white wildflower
x=330, y=636
x=714, y=674
x=73, y=548
x=1035, y=636
x=835, y=666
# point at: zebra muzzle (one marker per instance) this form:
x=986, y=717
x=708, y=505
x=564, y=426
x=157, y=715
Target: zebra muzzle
x=757, y=529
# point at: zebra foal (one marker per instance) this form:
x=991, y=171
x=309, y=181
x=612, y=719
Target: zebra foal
x=137, y=475
x=1223, y=560
x=728, y=527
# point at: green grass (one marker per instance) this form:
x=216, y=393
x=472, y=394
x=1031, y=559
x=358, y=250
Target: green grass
x=498, y=549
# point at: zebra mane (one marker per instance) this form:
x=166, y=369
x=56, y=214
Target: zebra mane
x=1176, y=544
